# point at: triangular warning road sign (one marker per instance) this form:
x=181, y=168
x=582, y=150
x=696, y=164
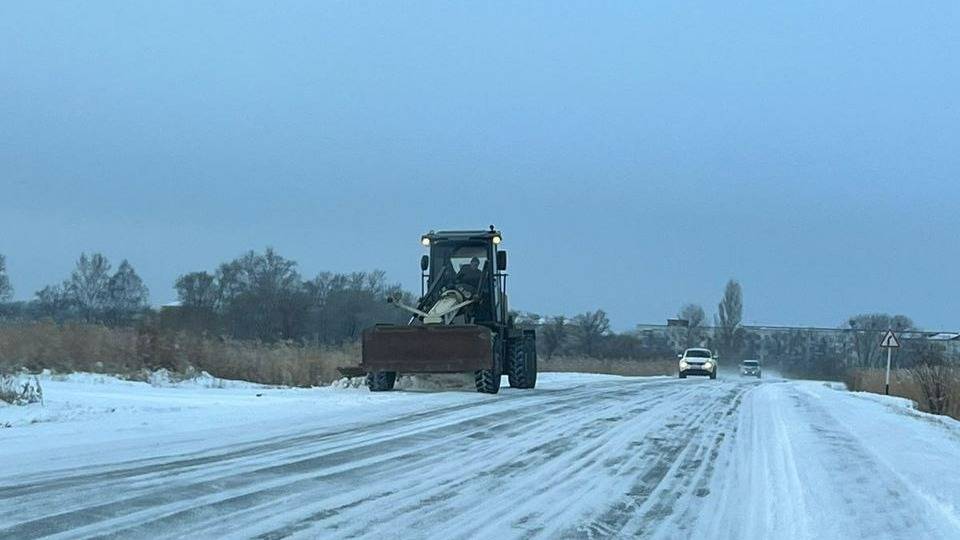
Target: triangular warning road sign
x=890, y=340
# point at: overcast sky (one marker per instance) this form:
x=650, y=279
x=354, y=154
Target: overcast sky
x=635, y=155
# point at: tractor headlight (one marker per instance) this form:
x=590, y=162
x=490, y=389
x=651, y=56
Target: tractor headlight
x=496, y=239
x=425, y=240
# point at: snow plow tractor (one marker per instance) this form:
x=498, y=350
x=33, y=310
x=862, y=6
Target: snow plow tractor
x=461, y=323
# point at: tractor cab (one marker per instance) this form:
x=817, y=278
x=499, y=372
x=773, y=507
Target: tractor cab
x=470, y=263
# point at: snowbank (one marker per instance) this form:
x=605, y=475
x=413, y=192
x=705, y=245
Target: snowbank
x=890, y=401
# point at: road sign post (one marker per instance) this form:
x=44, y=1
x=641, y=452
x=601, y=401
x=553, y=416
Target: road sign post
x=889, y=342
x=886, y=383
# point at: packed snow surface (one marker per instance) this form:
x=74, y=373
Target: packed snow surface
x=582, y=456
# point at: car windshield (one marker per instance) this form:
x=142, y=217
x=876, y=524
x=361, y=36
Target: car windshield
x=698, y=354
x=750, y=363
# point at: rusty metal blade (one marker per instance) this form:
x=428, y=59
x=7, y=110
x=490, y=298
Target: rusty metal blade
x=427, y=349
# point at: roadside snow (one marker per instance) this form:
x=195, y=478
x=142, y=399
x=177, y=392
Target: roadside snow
x=889, y=401
x=920, y=450
x=200, y=380
x=811, y=460
x=82, y=412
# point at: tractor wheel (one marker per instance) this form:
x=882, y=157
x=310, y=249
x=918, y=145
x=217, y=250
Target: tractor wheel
x=522, y=368
x=381, y=381
x=488, y=380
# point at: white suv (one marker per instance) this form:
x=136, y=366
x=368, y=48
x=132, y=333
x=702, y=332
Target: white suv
x=698, y=362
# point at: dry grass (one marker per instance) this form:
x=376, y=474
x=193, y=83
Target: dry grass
x=903, y=384
x=130, y=352
x=69, y=347
x=9, y=389
x=610, y=366
x=283, y=363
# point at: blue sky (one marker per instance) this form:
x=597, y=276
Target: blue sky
x=636, y=156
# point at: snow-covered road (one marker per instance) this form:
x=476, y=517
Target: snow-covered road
x=580, y=457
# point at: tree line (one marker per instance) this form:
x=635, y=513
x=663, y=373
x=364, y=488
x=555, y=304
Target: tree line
x=262, y=296
x=257, y=296
x=853, y=345
x=93, y=292
x=588, y=334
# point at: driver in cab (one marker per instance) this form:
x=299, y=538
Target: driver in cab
x=469, y=274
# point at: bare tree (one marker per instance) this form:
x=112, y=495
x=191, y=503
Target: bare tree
x=127, y=293
x=199, y=294
x=53, y=300
x=590, y=329
x=694, y=315
x=198, y=290
x=6, y=290
x=934, y=375
x=95, y=294
x=89, y=285
x=262, y=296
x=729, y=319
x=127, y=290
x=868, y=329
x=553, y=336
x=257, y=291
x=344, y=304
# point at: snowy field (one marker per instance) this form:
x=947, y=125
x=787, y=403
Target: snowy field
x=583, y=456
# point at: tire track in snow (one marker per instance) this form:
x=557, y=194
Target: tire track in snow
x=559, y=458
x=546, y=493
x=447, y=471
x=675, y=467
x=352, y=449
x=135, y=479
x=64, y=478
x=867, y=482
x=794, y=471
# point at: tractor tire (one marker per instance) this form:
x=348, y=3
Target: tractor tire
x=522, y=358
x=488, y=380
x=381, y=381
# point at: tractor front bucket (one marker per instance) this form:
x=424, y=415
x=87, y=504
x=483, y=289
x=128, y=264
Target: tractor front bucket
x=427, y=348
